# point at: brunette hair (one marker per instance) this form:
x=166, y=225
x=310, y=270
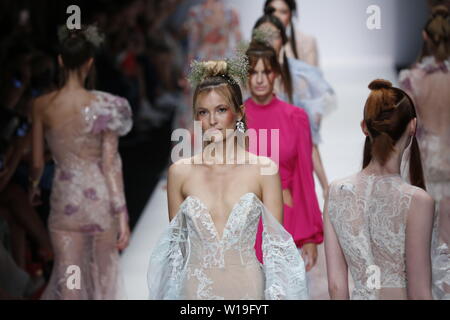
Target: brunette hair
x=269, y=17
x=387, y=113
x=75, y=51
x=293, y=8
x=438, y=31
x=258, y=50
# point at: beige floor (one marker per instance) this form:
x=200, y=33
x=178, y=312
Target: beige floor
x=317, y=277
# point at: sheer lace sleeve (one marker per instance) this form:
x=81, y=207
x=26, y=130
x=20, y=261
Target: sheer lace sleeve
x=168, y=260
x=316, y=91
x=283, y=266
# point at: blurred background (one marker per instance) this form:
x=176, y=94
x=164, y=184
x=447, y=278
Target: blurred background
x=149, y=46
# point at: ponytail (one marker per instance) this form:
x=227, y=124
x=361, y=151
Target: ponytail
x=387, y=113
x=415, y=166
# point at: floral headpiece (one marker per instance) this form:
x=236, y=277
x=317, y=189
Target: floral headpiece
x=235, y=70
x=91, y=34
x=265, y=35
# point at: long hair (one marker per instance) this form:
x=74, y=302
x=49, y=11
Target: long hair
x=387, y=113
x=293, y=8
x=258, y=50
x=437, y=29
x=268, y=17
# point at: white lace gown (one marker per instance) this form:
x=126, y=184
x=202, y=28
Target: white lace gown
x=369, y=214
x=192, y=262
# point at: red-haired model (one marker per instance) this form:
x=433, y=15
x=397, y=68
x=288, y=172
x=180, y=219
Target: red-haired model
x=375, y=223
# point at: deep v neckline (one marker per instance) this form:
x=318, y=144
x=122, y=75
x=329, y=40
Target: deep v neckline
x=230, y=214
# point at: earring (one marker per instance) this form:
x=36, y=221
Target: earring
x=240, y=126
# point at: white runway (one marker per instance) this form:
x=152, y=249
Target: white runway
x=341, y=153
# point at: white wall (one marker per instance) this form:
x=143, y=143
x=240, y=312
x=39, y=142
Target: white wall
x=341, y=31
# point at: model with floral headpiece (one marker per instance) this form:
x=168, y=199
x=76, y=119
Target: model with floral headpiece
x=215, y=202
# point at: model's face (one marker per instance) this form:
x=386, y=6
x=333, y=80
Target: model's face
x=215, y=114
x=274, y=36
x=282, y=11
x=261, y=81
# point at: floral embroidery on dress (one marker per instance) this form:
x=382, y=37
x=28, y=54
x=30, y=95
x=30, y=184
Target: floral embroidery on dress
x=108, y=112
x=192, y=261
x=369, y=215
x=91, y=194
x=65, y=176
x=70, y=209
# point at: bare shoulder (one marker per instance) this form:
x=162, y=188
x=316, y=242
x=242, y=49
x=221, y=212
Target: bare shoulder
x=263, y=161
x=421, y=201
x=44, y=100
x=181, y=168
x=266, y=170
x=422, y=196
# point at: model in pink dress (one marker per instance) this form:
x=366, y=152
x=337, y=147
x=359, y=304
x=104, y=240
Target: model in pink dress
x=303, y=219
x=292, y=150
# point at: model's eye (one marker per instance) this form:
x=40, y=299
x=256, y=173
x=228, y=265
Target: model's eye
x=222, y=109
x=201, y=112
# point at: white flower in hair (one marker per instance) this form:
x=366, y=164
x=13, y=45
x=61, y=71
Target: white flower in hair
x=90, y=32
x=94, y=36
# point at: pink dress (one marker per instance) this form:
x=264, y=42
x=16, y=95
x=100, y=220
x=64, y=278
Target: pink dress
x=304, y=219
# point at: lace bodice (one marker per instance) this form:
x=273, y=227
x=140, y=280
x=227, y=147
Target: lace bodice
x=369, y=215
x=193, y=261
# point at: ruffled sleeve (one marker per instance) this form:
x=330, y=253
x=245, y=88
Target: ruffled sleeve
x=312, y=93
x=109, y=112
x=307, y=226
x=168, y=260
x=284, y=268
